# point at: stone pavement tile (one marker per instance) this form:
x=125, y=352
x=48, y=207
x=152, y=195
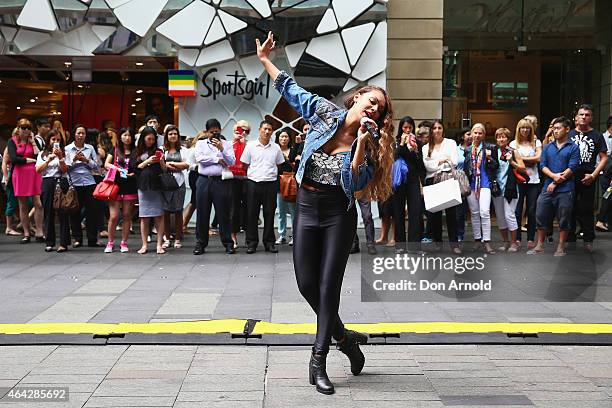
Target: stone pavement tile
x=292, y=312
x=574, y=404
x=138, y=387
x=486, y=391
x=14, y=371
x=62, y=379
x=435, y=350
x=377, y=362
x=70, y=369
x=78, y=388
x=471, y=382
x=190, y=303
x=422, y=385
x=208, y=396
x=315, y=400
x=107, y=402
x=450, y=366
x=542, y=375
x=402, y=404
x=577, y=354
x=466, y=374
x=221, y=369
x=591, y=370
x=75, y=400
x=301, y=392
x=452, y=359
x=368, y=395
x=484, y=400
x=218, y=404
x=73, y=309
x=115, y=286
x=35, y=352
x=125, y=316
x=378, y=353
x=536, y=386
x=153, y=373
x=197, y=383
x=146, y=365
x=566, y=396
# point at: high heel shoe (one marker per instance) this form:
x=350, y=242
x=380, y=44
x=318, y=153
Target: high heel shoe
x=350, y=346
x=317, y=373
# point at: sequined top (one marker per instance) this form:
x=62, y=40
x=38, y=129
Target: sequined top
x=324, y=170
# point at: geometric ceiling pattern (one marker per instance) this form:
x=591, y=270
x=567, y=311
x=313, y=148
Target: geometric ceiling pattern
x=331, y=46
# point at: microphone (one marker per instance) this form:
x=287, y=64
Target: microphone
x=371, y=129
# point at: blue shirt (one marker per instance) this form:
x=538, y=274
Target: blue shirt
x=558, y=160
x=325, y=119
x=460, y=157
x=484, y=177
x=502, y=172
x=81, y=172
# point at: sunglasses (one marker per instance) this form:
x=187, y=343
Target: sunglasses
x=25, y=127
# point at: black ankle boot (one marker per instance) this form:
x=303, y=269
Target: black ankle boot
x=317, y=373
x=350, y=347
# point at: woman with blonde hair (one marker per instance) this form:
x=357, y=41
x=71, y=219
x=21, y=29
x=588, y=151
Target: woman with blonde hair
x=505, y=205
x=529, y=148
x=26, y=181
x=59, y=128
x=480, y=167
x=341, y=159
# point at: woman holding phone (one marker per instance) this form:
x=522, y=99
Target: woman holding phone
x=340, y=158
x=151, y=163
x=52, y=166
x=82, y=161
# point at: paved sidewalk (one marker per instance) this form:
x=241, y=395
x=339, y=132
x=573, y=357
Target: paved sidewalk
x=239, y=376
x=86, y=285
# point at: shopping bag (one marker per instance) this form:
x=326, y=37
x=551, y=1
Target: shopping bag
x=442, y=195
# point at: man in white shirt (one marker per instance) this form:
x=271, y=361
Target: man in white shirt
x=261, y=159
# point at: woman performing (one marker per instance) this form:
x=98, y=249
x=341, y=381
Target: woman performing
x=340, y=157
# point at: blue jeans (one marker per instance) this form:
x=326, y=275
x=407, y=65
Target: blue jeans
x=284, y=207
x=527, y=192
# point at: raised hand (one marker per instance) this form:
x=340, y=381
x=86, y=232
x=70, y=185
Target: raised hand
x=264, y=50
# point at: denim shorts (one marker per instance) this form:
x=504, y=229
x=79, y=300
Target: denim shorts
x=549, y=205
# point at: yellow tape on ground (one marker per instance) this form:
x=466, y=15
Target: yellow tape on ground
x=237, y=326
x=199, y=327
x=442, y=327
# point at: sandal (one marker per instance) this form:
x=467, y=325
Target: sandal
x=178, y=244
x=77, y=244
x=166, y=244
x=488, y=248
x=12, y=232
x=61, y=249
x=26, y=240
x=143, y=250
x=161, y=251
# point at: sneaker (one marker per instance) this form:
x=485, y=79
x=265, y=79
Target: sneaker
x=600, y=226
x=291, y=242
x=166, y=244
x=427, y=240
x=148, y=238
x=281, y=241
x=124, y=247
x=110, y=247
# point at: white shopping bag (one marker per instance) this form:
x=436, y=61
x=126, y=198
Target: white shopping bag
x=441, y=196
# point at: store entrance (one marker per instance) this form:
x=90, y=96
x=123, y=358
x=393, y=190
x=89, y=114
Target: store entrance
x=85, y=90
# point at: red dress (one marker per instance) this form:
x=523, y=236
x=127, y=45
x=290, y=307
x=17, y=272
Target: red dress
x=26, y=182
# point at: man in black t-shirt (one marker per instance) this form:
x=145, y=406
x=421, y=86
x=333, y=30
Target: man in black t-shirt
x=591, y=144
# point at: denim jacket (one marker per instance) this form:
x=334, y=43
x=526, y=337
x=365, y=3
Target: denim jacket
x=325, y=118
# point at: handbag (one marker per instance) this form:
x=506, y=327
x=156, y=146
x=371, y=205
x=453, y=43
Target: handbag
x=168, y=182
x=495, y=188
x=107, y=190
x=399, y=173
x=288, y=187
x=521, y=178
x=65, y=201
x=459, y=175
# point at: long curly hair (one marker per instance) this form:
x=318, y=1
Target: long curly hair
x=382, y=153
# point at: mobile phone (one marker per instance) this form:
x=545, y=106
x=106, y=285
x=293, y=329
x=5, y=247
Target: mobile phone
x=56, y=145
x=240, y=131
x=159, y=154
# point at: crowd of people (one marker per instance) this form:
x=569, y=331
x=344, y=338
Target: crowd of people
x=234, y=177
x=517, y=174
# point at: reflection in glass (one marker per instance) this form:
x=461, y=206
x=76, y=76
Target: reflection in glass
x=119, y=42
x=9, y=11
x=69, y=14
